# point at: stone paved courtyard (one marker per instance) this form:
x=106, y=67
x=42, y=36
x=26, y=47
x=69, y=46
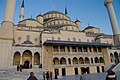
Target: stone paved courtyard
x=12, y=74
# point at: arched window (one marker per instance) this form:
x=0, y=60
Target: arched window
x=36, y=58
x=96, y=60
x=68, y=39
x=101, y=60
x=81, y=61
x=56, y=61
x=59, y=38
x=74, y=39
x=28, y=37
x=75, y=60
x=63, y=61
x=111, y=57
x=52, y=38
x=87, y=61
x=16, y=58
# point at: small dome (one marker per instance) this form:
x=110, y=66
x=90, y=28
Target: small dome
x=89, y=27
x=40, y=15
x=77, y=20
x=27, y=42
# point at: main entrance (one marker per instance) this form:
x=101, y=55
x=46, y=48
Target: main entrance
x=26, y=64
x=27, y=59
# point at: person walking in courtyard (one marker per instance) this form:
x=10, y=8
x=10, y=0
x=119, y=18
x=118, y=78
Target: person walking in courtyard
x=43, y=75
x=56, y=76
x=47, y=75
x=32, y=77
x=84, y=75
x=50, y=75
x=18, y=67
x=111, y=75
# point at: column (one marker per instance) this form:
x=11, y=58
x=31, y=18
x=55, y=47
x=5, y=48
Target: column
x=111, y=13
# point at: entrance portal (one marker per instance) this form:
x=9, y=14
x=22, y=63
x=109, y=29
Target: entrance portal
x=26, y=64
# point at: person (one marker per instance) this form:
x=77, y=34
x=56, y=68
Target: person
x=50, y=75
x=56, y=76
x=47, y=75
x=84, y=75
x=43, y=75
x=111, y=75
x=18, y=67
x=32, y=77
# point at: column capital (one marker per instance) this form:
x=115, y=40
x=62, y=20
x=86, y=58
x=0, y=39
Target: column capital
x=108, y=2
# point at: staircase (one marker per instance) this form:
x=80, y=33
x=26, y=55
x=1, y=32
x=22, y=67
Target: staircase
x=13, y=74
x=117, y=67
x=110, y=67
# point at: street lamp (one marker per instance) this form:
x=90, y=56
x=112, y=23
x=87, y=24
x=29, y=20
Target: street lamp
x=41, y=44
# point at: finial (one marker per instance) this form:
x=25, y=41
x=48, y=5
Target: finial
x=22, y=4
x=66, y=11
x=31, y=16
x=88, y=24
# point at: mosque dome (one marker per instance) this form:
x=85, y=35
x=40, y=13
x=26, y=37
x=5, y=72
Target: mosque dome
x=54, y=12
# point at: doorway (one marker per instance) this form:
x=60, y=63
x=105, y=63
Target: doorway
x=63, y=72
x=76, y=71
x=26, y=64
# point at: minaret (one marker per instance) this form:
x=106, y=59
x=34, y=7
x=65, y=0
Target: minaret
x=22, y=11
x=109, y=5
x=10, y=10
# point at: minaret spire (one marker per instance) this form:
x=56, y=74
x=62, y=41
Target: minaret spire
x=22, y=4
x=66, y=13
x=10, y=10
x=22, y=11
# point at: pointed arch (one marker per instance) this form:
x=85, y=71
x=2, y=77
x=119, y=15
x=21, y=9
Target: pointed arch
x=116, y=57
x=111, y=57
x=87, y=61
x=36, y=58
x=63, y=61
x=75, y=60
x=96, y=60
x=101, y=60
x=56, y=61
x=16, y=58
x=81, y=61
x=27, y=56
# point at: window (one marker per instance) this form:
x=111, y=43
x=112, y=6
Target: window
x=94, y=49
x=79, y=49
x=55, y=48
x=59, y=38
x=52, y=38
x=87, y=40
x=90, y=49
x=68, y=39
x=74, y=49
x=99, y=49
x=68, y=48
x=62, y=48
x=79, y=40
x=74, y=39
x=28, y=37
x=85, y=49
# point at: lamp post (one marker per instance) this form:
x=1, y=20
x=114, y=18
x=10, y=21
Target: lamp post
x=41, y=45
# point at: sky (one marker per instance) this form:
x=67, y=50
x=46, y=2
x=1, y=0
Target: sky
x=92, y=12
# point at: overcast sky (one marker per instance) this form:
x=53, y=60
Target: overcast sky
x=87, y=11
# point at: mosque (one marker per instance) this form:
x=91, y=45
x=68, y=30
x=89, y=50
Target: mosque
x=56, y=43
